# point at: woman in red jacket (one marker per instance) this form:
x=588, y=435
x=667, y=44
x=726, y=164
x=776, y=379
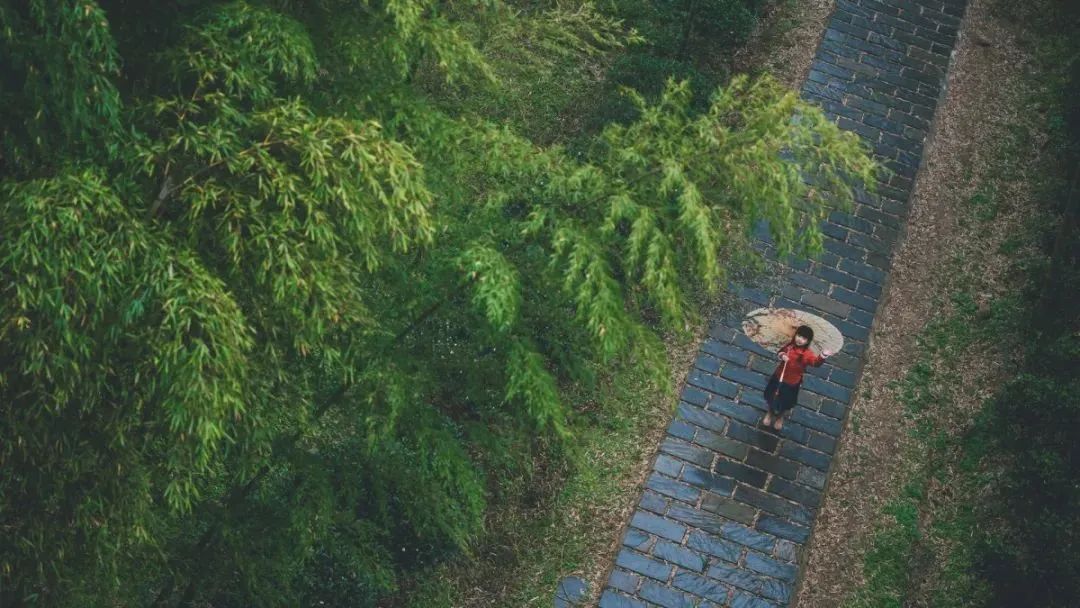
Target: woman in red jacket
x=782, y=392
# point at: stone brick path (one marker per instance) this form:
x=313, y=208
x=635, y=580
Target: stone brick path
x=728, y=507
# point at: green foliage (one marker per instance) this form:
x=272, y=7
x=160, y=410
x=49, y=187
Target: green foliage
x=275, y=329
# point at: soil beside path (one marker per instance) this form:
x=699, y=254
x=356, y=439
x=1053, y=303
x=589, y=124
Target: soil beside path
x=981, y=99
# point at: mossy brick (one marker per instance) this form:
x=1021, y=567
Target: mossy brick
x=711, y=383
x=784, y=529
x=664, y=596
x=727, y=352
x=814, y=458
x=642, y=564
x=772, y=463
x=753, y=437
x=699, y=417
x=659, y=526
x=833, y=408
x=744, y=376
x=624, y=581
x=707, y=480
x=771, y=567
x=700, y=586
x=812, y=477
x=690, y=453
x=786, y=551
x=777, y=505
x=799, y=493
x=740, y=472
x=729, y=508
x=613, y=599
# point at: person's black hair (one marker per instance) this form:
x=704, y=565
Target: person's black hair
x=806, y=332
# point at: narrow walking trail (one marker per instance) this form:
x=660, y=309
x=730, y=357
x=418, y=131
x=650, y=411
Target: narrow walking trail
x=728, y=507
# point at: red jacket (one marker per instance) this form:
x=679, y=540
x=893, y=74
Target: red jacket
x=799, y=358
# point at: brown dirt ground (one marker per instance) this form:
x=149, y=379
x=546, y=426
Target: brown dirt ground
x=981, y=100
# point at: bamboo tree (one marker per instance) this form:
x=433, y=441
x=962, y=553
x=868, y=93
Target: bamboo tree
x=271, y=334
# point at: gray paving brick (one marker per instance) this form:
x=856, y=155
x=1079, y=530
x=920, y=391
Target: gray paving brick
x=687, y=452
x=744, y=376
x=814, y=458
x=717, y=484
x=724, y=351
x=743, y=535
x=771, y=567
x=753, y=437
x=641, y=564
x=714, y=546
x=624, y=581
x=712, y=384
x=812, y=477
x=719, y=443
x=784, y=529
x=799, y=493
x=682, y=430
x=665, y=596
x=702, y=418
x=658, y=526
x=651, y=501
x=729, y=508
x=742, y=413
x=686, y=558
x=772, y=464
x=693, y=395
x=673, y=488
x=611, y=599
x=701, y=586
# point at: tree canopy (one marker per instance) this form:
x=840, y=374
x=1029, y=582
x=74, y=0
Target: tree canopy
x=282, y=295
